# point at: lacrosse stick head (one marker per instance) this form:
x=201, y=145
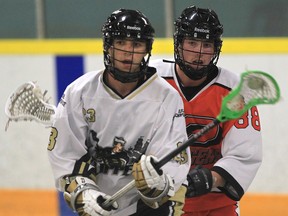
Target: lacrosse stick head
x=28, y=103
x=255, y=87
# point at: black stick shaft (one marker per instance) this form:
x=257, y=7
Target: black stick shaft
x=189, y=142
x=163, y=161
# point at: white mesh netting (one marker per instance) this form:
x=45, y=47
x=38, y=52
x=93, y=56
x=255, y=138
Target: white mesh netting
x=28, y=103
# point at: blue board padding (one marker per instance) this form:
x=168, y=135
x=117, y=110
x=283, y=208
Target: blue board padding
x=68, y=68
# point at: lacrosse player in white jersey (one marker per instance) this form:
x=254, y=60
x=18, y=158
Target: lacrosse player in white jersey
x=111, y=125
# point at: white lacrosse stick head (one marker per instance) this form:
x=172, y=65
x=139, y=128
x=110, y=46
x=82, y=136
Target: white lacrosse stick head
x=28, y=103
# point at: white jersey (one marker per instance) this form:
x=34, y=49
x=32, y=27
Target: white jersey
x=233, y=149
x=150, y=121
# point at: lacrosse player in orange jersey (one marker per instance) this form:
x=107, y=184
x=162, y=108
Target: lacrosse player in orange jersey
x=225, y=161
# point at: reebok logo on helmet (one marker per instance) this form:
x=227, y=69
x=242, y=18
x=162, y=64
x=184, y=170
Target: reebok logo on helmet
x=134, y=28
x=202, y=30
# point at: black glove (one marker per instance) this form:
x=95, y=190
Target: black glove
x=199, y=181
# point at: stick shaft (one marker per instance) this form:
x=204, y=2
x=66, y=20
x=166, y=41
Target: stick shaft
x=163, y=161
x=118, y=194
x=189, y=142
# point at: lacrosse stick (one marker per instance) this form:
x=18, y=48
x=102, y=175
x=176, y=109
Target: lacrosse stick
x=28, y=103
x=255, y=87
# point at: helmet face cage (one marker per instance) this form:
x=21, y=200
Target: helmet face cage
x=201, y=24
x=130, y=24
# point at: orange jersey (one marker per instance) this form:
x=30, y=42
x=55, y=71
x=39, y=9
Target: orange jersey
x=233, y=148
x=207, y=149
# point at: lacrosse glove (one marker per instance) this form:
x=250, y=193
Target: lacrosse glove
x=200, y=181
x=154, y=187
x=84, y=197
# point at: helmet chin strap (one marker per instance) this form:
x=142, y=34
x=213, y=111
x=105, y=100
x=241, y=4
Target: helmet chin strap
x=195, y=74
x=125, y=77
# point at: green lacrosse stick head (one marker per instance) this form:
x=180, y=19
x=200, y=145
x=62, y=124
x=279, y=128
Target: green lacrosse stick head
x=254, y=88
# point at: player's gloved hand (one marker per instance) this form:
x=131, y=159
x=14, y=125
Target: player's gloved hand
x=153, y=185
x=84, y=197
x=200, y=181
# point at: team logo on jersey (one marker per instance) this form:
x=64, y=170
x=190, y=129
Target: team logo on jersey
x=207, y=149
x=62, y=100
x=117, y=157
x=196, y=123
x=180, y=113
x=206, y=156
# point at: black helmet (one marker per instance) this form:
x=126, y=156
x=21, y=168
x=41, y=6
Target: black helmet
x=125, y=23
x=197, y=23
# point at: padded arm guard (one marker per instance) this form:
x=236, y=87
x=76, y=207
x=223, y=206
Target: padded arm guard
x=84, y=197
x=76, y=187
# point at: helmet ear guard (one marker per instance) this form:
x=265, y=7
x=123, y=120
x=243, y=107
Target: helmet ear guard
x=132, y=24
x=202, y=24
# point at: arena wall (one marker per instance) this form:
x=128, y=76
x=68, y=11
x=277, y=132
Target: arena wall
x=26, y=184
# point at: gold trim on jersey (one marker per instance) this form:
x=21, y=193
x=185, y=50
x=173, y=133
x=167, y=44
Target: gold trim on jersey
x=132, y=94
x=142, y=87
x=109, y=90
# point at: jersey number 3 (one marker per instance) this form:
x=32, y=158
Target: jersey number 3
x=52, y=139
